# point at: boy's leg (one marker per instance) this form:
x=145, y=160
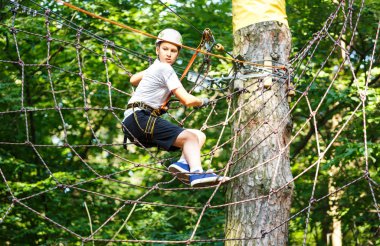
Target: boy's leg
x=201, y=136
x=191, y=145
x=201, y=140
x=191, y=149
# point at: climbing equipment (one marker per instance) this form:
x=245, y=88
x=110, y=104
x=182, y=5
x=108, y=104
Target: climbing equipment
x=149, y=128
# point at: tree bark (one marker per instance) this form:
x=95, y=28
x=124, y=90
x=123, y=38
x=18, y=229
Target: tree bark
x=266, y=116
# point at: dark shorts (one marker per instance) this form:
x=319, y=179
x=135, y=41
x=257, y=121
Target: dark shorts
x=164, y=132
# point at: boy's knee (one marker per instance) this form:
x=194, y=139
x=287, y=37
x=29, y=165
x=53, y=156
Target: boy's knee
x=191, y=136
x=202, y=136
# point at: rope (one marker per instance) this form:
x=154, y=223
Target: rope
x=183, y=19
x=155, y=37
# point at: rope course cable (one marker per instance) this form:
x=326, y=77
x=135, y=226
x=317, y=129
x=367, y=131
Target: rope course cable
x=182, y=18
x=78, y=101
x=155, y=37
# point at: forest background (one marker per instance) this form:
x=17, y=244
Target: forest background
x=27, y=175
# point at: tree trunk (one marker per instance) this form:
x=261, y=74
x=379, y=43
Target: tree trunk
x=266, y=117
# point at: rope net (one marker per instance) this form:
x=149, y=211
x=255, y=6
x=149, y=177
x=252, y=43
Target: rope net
x=66, y=120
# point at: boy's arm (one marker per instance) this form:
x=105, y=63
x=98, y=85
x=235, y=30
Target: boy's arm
x=187, y=99
x=136, y=78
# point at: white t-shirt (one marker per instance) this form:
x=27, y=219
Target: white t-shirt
x=156, y=85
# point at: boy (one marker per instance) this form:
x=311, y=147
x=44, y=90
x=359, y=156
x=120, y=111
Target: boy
x=142, y=121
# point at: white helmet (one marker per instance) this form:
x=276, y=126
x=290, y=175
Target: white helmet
x=170, y=35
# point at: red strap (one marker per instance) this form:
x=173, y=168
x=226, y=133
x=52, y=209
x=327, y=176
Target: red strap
x=190, y=64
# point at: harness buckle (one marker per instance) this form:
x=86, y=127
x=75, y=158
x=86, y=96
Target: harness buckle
x=155, y=112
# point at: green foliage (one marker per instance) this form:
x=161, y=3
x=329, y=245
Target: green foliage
x=25, y=168
x=27, y=175
x=345, y=161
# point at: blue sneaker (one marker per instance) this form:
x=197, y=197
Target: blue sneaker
x=180, y=170
x=206, y=179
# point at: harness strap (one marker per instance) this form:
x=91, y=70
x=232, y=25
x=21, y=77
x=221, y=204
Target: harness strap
x=190, y=63
x=154, y=113
x=125, y=136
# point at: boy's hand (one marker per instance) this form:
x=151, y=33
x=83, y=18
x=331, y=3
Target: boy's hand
x=205, y=102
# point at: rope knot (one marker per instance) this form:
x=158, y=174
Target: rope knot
x=229, y=96
x=212, y=152
x=366, y=175
x=79, y=32
x=13, y=30
x=106, y=43
x=47, y=12
x=111, y=44
x=363, y=95
x=204, y=127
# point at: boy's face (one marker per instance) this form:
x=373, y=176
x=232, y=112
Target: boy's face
x=167, y=52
